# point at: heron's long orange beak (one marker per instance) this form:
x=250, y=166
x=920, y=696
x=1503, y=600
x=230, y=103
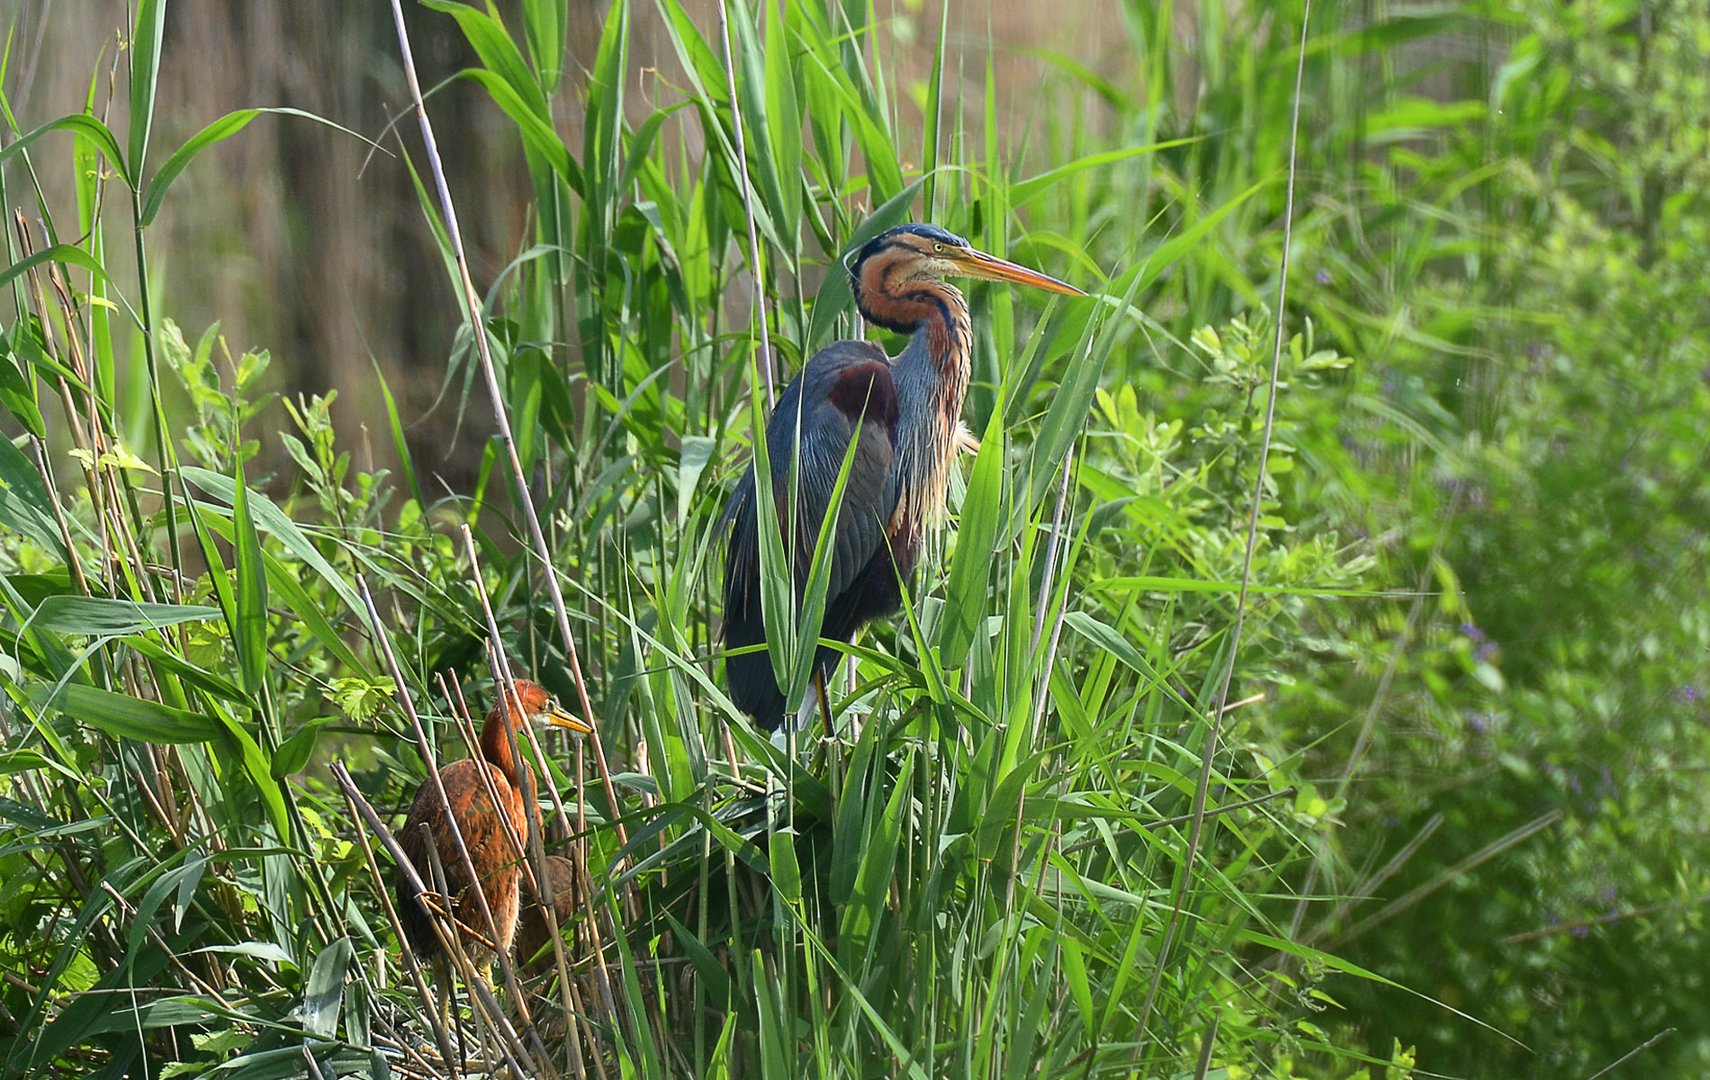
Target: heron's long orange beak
x=558, y=717
x=978, y=264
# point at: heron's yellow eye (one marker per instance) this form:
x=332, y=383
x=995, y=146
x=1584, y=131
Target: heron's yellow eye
x=938, y=248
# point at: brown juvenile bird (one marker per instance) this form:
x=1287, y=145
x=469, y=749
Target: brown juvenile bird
x=483, y=827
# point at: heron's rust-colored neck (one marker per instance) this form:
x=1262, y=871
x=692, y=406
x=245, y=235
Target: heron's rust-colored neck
x=888, y=297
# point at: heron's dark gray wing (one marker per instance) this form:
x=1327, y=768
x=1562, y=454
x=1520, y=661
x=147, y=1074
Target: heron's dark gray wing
x=846, y=396
x=846, y=388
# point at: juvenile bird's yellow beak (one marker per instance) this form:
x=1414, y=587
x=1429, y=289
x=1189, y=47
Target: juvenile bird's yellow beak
x=977, y=264
x=557, y=716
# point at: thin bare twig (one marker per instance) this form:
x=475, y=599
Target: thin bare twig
x=1453, y=873
x=472, y=303
x=1633, y=1053
x=1606, y=919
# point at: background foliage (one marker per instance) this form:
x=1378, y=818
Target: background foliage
x=1454, y=819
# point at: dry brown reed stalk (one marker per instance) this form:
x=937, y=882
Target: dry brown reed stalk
x=358, y=806
x=512, y=985
x=472, y=307
x=578, y=834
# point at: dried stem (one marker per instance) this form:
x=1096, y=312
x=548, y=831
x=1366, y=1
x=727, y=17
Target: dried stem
x=477, y=328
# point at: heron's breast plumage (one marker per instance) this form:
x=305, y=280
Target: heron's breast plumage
x=931, y=377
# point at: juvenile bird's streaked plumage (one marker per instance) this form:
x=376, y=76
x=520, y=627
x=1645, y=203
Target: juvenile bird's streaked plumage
x=483, y=827
x=907, y=411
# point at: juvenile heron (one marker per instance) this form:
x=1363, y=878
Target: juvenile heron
x=907, y=411
x=483, y=827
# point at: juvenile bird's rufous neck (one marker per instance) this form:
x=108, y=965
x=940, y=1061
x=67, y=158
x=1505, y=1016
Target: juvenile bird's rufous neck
x=496, y=739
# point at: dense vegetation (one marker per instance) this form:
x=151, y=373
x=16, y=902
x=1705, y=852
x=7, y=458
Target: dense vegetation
x=1449, y=820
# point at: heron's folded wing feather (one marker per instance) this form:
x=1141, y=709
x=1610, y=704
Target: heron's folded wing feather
x=848, y=396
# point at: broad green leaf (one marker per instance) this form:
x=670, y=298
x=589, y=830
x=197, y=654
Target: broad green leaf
x=223, y=128
x=878, y=861
x=786, y=873
x=293, y=753
x=1025, y=191
x=123, y=716
x=24, y=502
x=537, y=132
x=98, y=617
x=270, y=519
x=250, y=631
x=60, y=253
x=324, y=992
x=497, y=50
x=692, y=460
x=934, y=117
x=87, y=128
x=965, y=598
x=1070, y=407
x=545, y=25
x=777, y=571
x=145, y=75
x=18, y=387
x=811, y=617
x=189, y=673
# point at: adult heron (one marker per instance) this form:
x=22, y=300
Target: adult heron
x=905, y=413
